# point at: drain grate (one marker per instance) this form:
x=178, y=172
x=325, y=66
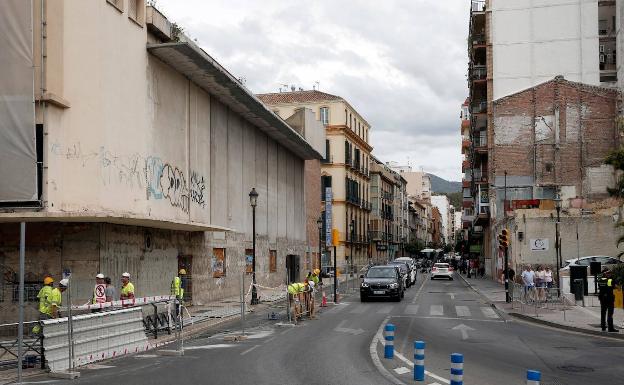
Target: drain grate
x=576, y=369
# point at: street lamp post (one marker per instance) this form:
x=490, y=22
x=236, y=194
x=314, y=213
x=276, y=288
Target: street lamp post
x=351, y=230
x=319, y=224
x=253, y=201
x=557, y=239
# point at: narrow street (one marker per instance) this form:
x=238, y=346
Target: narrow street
x=336, y=348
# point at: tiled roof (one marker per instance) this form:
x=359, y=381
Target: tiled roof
x=296, y=97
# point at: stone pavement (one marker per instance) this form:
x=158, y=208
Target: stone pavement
x=572, y=317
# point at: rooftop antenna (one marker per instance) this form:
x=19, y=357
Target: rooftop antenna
x=293, y=88
x=283, y=86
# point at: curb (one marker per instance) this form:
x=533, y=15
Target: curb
x=566, y=327
x=501, y=312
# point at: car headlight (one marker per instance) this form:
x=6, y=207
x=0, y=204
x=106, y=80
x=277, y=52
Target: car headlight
x=394, y=285
x=365, y=284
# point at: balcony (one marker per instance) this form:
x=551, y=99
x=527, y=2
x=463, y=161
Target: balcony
x=465, y=165
x=478, y=72
x=465, y=145
x=477, y=6
x=478, y=40
x=480, y=141
x=465, y=124
x=479, y=108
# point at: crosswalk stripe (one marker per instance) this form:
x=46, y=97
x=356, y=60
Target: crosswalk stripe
x=462, y=311
x=489, y=312
x=360, y=309
x=411, y=309
x=384, y=310
x=436, y=310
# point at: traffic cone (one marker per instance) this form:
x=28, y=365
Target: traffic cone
x=324, y=301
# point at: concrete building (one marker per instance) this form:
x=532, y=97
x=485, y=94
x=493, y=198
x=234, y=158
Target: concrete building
x=139, y=155
x=418, y=182
x=345, y=169
x=383, y=209
x=443, y=204
x=436, y=228
x=419, y=222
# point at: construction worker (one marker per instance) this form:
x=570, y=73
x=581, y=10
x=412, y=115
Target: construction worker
x=311, y=292
x=55, y=298
x=43, y=297
x=294, y=297
x=127, y=288
x=177, y=290
x=606, y=285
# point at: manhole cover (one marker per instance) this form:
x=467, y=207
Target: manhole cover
x=576, y=369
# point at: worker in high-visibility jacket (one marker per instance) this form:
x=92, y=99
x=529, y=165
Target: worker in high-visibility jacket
x=127, y=288
x=43, y=295
x=55, y=298
x=295, y=294
x=177, y=290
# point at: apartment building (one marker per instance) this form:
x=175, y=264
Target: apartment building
x=512, y=46
x=136, y=151
x=419, y=222
x=382, y=217
x=418, y=182
x=345, y=169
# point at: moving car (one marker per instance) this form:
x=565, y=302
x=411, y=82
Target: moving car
x=405, y=272
x=412, y=266
x=604, y=260
x=383, y=282
x=442, y=270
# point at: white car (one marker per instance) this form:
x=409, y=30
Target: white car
x=442, y=270
x=605, y=261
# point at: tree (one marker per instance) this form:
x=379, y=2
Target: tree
x=616, y=159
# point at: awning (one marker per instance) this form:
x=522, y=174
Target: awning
x=203, y=70
x=128, y=220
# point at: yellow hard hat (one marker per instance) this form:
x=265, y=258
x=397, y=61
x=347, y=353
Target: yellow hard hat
x=182, y=271
x=317, y=271
x=48, y=280
x=306, y=283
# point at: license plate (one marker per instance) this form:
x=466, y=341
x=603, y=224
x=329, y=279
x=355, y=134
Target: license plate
x=379, y=292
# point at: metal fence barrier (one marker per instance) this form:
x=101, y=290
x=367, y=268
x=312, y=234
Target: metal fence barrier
x=96, y=337
x=33, y=347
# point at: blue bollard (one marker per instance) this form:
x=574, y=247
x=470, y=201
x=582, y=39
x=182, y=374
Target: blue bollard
x=457, y=369
x=419, y=360
x=389, y=343
x=533, y=377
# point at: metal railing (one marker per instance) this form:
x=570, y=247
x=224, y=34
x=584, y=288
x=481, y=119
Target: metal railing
x=477, y=6
x=33, y=346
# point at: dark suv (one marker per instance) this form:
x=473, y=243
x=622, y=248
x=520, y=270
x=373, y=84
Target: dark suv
x=382, y=281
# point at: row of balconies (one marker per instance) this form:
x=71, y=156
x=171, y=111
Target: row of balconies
x=357, y=166
x=361, y=203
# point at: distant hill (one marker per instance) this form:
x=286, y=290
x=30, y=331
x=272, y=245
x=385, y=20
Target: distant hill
x=443, y=186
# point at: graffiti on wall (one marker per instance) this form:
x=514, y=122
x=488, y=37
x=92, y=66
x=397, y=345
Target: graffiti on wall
x=159, y=179
x=198, y=187
x=173, y=187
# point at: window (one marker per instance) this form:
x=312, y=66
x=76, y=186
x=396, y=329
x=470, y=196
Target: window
x=117, y=4
x=350, y=121
x=218, y=263
x=327, y=151
x=324, y=113
x=346, y=117
x=136, y=11
x=272, y=261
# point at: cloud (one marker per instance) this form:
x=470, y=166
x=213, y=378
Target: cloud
x=400, y=63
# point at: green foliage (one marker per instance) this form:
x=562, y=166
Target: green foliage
x=618, y=273
x=616, y=159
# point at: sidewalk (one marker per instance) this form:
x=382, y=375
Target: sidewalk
x=576, y=318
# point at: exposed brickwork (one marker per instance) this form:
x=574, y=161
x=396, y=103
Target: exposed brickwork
x=587, y=132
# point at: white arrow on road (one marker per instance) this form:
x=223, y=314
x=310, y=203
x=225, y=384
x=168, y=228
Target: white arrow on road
x=342, y=329
x=452, y=295
x=464, y=330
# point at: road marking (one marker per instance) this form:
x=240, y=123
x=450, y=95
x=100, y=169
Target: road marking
x=402, y=370
x=385, y=310
x=146, y=356
x=249, y=350
x=428, y=373
x=342, y=329
x=462, y=311
x=360, y=309
x=372, y=350
x=411, y=309
x=208, y=347
x=449, y=318
x=489, y=312
x=452, y=295
x=464, y=330
x=436, y=310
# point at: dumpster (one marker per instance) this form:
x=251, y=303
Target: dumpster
x=577, y=289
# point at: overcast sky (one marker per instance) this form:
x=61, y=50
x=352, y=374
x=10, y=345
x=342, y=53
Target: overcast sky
x=401, y=64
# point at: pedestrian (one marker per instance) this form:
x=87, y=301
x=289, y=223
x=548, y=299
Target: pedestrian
x=43, y=298
x=127, y=288
x=55, y=299
x=311, y=291
x=528, y=280
x=177, y=290
x=548, y=277
x=540, y=283
x=110, y=290
x=606, y=285
x=511, y=274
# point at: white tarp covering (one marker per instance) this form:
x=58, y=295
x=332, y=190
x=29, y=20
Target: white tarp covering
x=18, y=156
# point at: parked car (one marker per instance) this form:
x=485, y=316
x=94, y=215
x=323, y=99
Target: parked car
x=404, y=272
x=412, y=266
x=442, y=270
x=383, y=282
x=604, y=260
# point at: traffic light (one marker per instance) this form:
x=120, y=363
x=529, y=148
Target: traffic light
x=503, y=239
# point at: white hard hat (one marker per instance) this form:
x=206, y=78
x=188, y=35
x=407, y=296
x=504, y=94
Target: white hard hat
x=126, y=274
x=311, y=283
x=64, y=282
x=100, y=276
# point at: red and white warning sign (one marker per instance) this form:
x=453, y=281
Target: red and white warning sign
x=100, y=293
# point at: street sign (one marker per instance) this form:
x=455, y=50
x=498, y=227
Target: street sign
x=539, y=244
x=100, y=293
x=328, y=216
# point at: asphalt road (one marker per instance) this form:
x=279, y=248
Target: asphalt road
x=341, y=347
